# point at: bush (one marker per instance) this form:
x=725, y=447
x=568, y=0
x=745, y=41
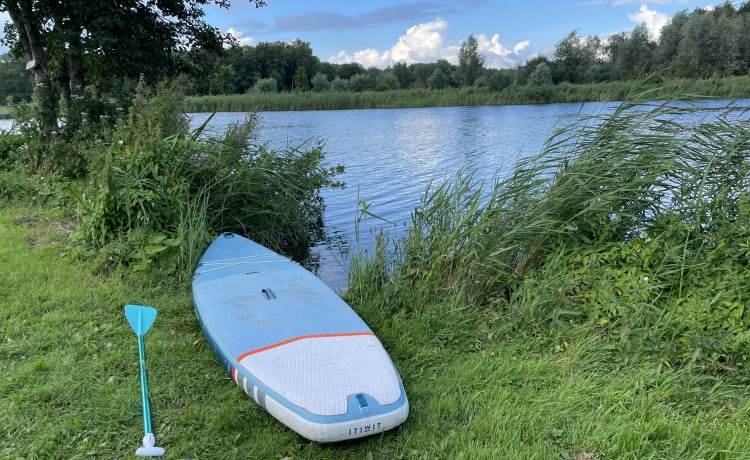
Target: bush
x=266, y=85
x=157, y=195
x=11, y=146
x=320, y=82
x=340, y=84
x=359, y=82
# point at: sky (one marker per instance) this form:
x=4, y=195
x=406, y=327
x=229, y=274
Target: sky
x=380, y=33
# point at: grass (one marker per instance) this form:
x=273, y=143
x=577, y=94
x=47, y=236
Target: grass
x=69, y=380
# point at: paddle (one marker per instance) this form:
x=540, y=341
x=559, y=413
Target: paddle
x=140, y=319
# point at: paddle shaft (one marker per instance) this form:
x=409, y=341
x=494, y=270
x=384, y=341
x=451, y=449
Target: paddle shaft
x=144, y=385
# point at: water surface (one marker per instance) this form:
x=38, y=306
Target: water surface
x=391, y=155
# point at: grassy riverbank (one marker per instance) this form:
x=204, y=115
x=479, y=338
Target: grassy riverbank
x=725, y=88
x=69, y=385
x=592, y=307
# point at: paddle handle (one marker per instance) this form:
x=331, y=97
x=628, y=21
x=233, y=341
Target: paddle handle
x=144, y=385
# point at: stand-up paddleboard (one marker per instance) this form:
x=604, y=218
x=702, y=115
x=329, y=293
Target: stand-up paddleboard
x=293, y=345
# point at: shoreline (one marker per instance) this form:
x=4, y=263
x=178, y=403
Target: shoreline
x=724, y=88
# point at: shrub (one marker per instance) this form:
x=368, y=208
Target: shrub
x=360, y=82
x=157, y=195
x=320, y=82
x=266, y=85
x=11, y=146
x=340, y=84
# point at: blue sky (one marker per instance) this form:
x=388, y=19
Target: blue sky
x=379, y=33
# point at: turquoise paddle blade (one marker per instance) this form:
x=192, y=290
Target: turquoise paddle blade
x=140, y=318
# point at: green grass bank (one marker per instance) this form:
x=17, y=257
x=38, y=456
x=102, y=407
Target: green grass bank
x=69, y=382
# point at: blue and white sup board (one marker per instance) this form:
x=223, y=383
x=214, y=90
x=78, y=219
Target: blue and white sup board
x=293, y=345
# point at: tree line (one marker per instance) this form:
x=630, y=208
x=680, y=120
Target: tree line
x=698, y=44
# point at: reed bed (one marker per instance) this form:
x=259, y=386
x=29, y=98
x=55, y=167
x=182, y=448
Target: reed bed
x=729, y=87
x=631, y=225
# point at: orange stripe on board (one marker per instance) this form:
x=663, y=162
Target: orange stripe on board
x=302, y=337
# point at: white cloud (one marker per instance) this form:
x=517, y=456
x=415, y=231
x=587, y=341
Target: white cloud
x=427, y=43
x=498, y=56
x=239, y=36
x=421, y=43
x=522, y=46
x=368, y=58
x=653, y=20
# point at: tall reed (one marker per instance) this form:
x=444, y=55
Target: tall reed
x=633, y=222
x=729, y=87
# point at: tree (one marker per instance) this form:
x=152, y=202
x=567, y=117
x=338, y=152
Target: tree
x=494, y=79
x=339, y=84
x=242, y=61
x=15, y=80
x=300, y=82
x=71, y=44
x=359, y=82
x=403, y=74
x=574, y=55
x=320, y=82
x=291, y=64
x=540, y=76
x=449, y=70
x=521, y=73
x=386, y=81
x=266, y=85
x=710, y=44
x=301, y=63
x=438, y=79
x=669, y=40
x=539, y=83
x=421, y=72
x=222, y=80
x=347, y=71
x=470, y=62
x=631, y=54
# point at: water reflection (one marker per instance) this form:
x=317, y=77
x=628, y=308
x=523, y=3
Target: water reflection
x=6, y=124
